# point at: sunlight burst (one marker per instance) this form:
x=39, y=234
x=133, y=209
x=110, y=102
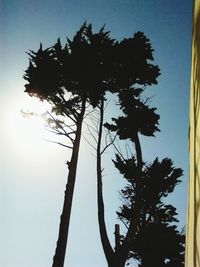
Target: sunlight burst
x=25, y=126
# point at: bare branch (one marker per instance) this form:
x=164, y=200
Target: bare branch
x=61, y=127
x=129, y=149
x=69, y=126
x=58, y=143
x=88, y=114
x=71, y=118
x=118, y=150
x=90, y=132
x=89, y=127
x=147, y=99
x=124, y=223
x=95, y=123
x=89, y=142
x=54, y=131
x=109, y=144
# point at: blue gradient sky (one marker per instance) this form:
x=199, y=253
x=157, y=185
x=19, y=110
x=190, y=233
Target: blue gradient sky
x=32, y=171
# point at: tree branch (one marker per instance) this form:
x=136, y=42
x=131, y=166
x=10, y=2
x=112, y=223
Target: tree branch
x=61, y=127
x=58, y=143
x=112, y=141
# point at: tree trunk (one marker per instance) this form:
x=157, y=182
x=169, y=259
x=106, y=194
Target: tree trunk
x=118, y=257
x=135, y=216
x=108, y=251
x=59, y=257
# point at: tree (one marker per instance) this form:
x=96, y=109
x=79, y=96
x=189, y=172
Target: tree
x=70, y=78
x=136, y=70
x=158, y=243
x=143, y=212
x=138, y=118
x=77, y=76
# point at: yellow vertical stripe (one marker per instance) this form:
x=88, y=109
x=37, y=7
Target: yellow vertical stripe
x=192, y=258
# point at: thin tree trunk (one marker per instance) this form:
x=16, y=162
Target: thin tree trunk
x=113, y=258
x=108, y=251
x=135, y=217
x=59, y=257
x=117, y=258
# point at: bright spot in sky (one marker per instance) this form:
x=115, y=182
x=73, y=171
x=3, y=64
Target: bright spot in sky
x=30, y=128
x=24, y=126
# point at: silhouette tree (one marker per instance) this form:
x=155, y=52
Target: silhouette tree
x=71, y=78
x=76, y=77
x=136, y=70
x=158, y=242
x=148, y=220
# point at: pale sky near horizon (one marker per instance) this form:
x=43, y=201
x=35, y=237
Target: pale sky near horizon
x=33, y=172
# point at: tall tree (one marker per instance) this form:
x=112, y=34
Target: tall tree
x=70, y=78
x=138, y=118
x=136, y=70
x=144, y=213
x=78, y=74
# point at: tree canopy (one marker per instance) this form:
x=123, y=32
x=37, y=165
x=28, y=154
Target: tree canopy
x=89, y=65
x=75, y=78
x=158, y=242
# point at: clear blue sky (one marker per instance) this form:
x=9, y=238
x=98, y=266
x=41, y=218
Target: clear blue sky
x=32, y=171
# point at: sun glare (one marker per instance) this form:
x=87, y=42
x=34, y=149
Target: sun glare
x=25, y=127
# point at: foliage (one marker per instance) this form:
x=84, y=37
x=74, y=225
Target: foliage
x=138, y=116
x=79, y=74
x=89, y=65
x=157, y=242
x=151, y=224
